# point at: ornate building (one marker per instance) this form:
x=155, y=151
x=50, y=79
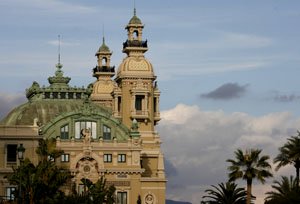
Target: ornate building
x=106, y=129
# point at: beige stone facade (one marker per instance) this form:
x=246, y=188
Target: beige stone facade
x=107, y=129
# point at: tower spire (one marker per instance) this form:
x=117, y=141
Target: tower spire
x=59, y=65
x=103, y=37
x=58, y=49
x=134, y=9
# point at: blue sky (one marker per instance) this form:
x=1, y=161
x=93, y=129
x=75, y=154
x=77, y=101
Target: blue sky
x=228, y=65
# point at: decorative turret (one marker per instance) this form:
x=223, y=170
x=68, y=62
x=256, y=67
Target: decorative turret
x=137, y=96
x=135, y=64
x=103, y=87
x=103, y=68
x=134, y=44
x=59, y=80
x=58, y=89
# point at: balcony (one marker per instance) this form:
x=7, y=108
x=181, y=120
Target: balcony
x=104, y=69
x=139, y=114
x=135, y=43
x=157, y=116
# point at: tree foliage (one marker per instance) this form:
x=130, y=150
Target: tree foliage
x=40, y=183
x=284, y=192
x=94, y=193
x=289, y=153
x=227, y=193
x=249, y=166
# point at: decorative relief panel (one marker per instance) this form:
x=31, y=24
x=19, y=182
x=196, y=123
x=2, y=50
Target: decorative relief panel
x=138, y=65
x=118, y=183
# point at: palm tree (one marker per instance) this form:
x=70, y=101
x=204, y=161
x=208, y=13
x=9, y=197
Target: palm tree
x=285, y=192
x=289, y=153
x=227, y=193
x=98, y=192
x=249, y=166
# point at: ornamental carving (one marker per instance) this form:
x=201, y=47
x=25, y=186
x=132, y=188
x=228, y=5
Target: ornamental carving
x=149, y=199
x=87, y=168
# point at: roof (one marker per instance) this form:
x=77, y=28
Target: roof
x=103, y=47
x=42, y=110
x=135, y=20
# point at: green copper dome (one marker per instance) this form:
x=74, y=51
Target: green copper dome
x=135, y=20
x=45, y=103
x=42, y=110
x=104, y=47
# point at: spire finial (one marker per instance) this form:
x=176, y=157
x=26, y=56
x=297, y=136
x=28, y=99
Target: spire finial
x=59, y=65
x=103, y=37
x=134, y=9
x=58, y=49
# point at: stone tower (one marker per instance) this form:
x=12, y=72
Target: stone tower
x=137, y=99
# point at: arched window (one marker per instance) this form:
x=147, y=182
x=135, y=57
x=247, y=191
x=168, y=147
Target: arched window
x=106, y=133
x=104, y=61
x=80, y=125
x=135, y=35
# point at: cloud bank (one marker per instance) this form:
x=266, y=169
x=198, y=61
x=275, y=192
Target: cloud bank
x=197, y=143
x=227, y=91
x=286, y=98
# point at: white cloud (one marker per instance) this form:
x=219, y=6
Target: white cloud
x=241, y=40
x=198, y=143
x=217, y=52
x=219, y=40
x=64, y=43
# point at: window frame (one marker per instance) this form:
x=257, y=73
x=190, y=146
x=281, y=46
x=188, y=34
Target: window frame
x=139, y=102
x=105, y=132
x=121, y=158
x=65, y=158
x=10, y=152
x=119, y=200
x=9, y=192
x=64, y=132
x=107, y=158
x=85, y=124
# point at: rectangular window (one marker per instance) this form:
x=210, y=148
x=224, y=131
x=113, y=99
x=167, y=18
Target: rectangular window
x=10, y=193
x=64, y=132
x=107, y=158
x=65, y=158
x=106, y=133
x=121, y=158
x=119, y=103
x=121, y=197
x=154, y=105
x=11, y=153
x=139, y=102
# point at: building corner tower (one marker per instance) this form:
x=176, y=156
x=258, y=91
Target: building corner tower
x=137, y=99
